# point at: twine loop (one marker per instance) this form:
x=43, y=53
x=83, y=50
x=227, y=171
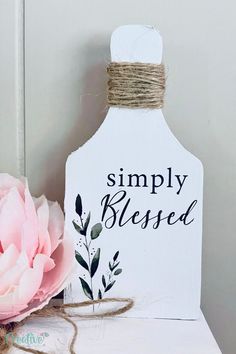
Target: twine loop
x=136, y=85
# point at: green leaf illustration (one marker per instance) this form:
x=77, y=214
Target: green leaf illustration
x=109, y=286
x=78, y=205
x=86, y=289
x=96, y=230
x=76, y=226
x=99, y=294
x=86, y=224
x=104, y=281
x=118, y=271
x=95, y=262
x=81, y=261
x=91, y=263
x=115, y=266
x=116, y=256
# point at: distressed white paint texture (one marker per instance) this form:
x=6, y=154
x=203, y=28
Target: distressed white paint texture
x=161, y=267
x=126, y=336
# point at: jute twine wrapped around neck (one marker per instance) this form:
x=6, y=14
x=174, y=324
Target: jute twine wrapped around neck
x=136, y=85
x=60, y=311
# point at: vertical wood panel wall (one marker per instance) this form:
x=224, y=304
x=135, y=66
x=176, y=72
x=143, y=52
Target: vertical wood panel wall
x=12, y=86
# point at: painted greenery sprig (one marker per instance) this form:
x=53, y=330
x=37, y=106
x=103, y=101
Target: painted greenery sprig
x=91, y=264
x=113, y=272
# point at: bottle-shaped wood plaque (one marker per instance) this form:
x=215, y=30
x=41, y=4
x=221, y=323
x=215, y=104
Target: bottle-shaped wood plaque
x=134, y=204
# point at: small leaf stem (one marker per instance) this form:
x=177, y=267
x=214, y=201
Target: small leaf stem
x=89, y=258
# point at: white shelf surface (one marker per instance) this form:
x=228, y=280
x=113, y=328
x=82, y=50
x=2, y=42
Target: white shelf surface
x=126, y=336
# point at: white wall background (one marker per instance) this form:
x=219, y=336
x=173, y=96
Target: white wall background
x=52, y=99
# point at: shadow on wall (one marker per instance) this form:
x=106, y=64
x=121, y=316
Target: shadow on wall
x=91, y=113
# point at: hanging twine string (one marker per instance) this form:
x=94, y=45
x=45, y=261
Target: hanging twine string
x=136, y=85
x=60, y=311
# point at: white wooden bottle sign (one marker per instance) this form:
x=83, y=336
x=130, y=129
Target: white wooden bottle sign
x=134, y=204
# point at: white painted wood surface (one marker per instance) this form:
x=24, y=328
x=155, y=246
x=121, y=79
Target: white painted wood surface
x=126, y=336
x=161, y=267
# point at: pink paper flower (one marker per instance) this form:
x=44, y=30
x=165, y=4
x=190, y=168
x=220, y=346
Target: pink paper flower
x=36, y=258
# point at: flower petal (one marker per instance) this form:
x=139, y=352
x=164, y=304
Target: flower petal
x=56, y=224
x=64, y=260
x=8, y=182
x=17, y=300
x=43, y=219
x=18, y=313
x=12, y=216
x=53, y=282
x=12, y=276
x=43, y=212
x=8, y=258
x=30, y=229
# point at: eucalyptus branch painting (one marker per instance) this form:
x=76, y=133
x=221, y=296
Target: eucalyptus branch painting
x=91, y=263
